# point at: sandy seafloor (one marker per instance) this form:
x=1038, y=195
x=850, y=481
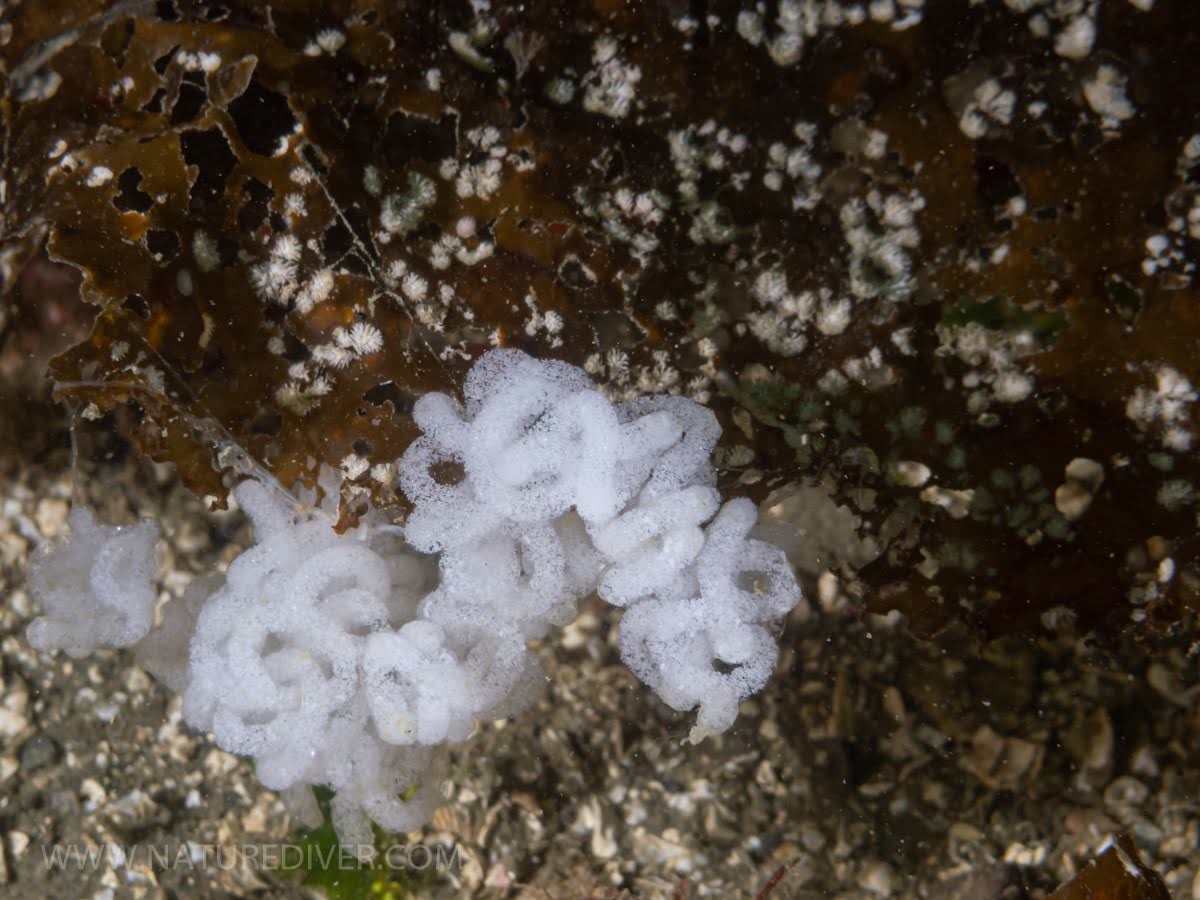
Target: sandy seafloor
x=874, y=765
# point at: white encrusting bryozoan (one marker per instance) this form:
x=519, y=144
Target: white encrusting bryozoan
x=346, y=661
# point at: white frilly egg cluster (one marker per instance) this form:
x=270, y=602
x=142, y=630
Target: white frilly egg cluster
x=348, y=661
x=563, y=493
x=96, y=590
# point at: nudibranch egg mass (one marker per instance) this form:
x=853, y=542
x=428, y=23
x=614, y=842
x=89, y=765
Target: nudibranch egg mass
x=354, y=660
